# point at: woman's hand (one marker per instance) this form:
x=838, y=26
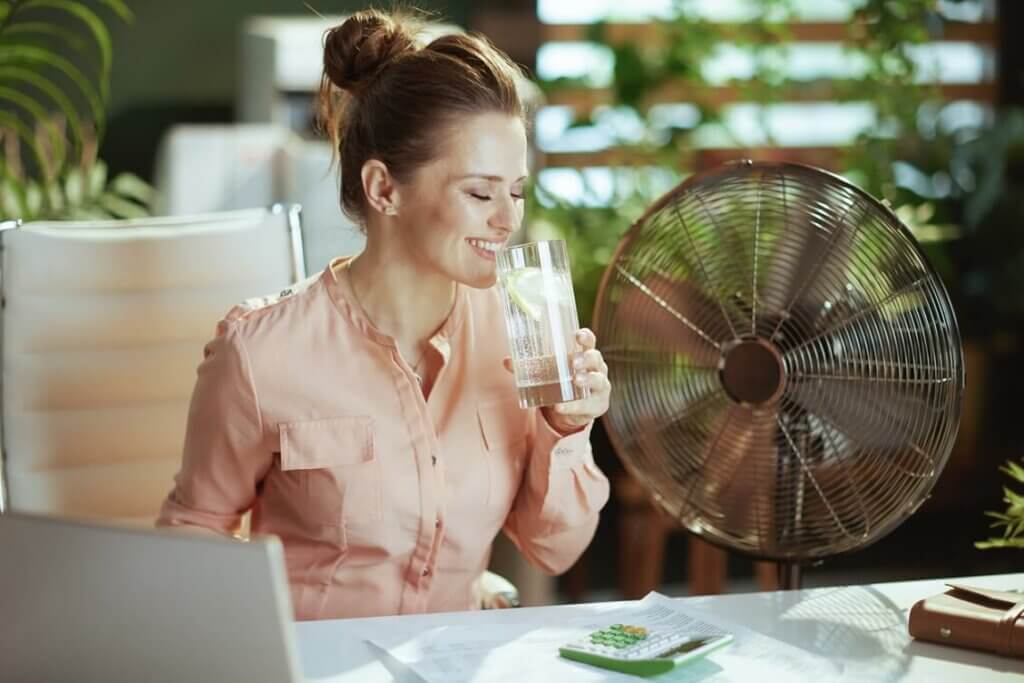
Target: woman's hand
x=590, y=372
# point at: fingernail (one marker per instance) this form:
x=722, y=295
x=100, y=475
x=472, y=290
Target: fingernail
x=580, y=379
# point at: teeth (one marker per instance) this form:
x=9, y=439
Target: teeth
x=488, y=246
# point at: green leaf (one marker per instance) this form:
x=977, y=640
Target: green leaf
x=45, y=30
x=16, y=54
x=23, y=132
x=89, y=213
x=120, y=207
x=54, y=194
x=94, y=23
x=1000, y=543
x=33, y=198
x=74, y=187
x=120, y=8
x=131, y=186
x=1014, y=470
x=97, y=180
x=39, y=113
x=1012, y=497
x=47, y=86
x=12, y=203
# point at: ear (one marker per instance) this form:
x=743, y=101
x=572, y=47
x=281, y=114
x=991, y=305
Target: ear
x=380, y=187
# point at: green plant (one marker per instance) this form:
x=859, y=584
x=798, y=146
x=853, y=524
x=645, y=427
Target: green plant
x=880, y=38
x=55, y=60
x=1012, y=520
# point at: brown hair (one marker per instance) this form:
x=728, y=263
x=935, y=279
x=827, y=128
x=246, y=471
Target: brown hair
x=382, y=96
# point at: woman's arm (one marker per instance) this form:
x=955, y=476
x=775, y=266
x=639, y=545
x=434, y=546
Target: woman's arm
x=555, y=513
x=223, y=460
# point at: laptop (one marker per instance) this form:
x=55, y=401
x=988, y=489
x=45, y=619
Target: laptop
x=83, y=602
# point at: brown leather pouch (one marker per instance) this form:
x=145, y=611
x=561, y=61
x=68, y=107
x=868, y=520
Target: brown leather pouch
x=975, y=618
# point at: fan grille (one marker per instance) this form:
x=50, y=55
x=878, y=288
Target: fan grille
x=786, y=365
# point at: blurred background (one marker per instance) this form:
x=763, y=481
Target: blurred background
x=147, y=107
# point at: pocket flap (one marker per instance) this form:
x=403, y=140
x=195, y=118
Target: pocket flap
x=502, y=423
x=329, y=442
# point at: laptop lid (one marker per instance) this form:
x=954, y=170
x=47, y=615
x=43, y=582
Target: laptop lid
x=82, y=602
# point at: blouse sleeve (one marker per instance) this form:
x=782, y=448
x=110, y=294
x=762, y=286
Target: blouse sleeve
x=223, y=462
x=555, y=513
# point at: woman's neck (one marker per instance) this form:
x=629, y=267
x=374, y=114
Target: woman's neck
x=400, y=299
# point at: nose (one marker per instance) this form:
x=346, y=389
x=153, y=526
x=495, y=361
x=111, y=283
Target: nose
x=507, y=215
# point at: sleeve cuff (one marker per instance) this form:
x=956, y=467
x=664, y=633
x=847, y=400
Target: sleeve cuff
x=564, y=452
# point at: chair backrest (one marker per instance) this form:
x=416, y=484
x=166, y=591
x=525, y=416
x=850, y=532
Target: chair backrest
x=103, y=325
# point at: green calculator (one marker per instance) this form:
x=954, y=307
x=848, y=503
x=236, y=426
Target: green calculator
x=642, y=652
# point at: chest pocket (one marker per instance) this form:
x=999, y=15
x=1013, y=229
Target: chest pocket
x=336, y=467
x=503, y=430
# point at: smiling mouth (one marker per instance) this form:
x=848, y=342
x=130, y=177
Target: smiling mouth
x=484, y=248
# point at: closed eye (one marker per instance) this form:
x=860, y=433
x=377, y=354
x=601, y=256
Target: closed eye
x=487, y=198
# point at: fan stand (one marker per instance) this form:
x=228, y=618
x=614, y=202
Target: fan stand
x=790, y=575
x=752, y=373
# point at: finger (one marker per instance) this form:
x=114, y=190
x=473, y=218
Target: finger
x=586, y=338
x=497, y=601
x=589, y=408
x=588, y=360
x=597, y=382
x=507, y=362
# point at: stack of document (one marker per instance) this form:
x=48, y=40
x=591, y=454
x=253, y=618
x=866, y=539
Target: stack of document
x=525, y=652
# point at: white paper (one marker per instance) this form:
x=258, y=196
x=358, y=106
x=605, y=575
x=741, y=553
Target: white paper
x=505, y=652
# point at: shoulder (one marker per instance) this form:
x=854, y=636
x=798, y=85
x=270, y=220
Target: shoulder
x=263, y=314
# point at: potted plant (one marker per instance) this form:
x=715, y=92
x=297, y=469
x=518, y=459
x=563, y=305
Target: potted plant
x=1012, y=520
x=55, y=59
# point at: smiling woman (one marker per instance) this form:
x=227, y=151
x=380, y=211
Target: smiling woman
x=365, y=416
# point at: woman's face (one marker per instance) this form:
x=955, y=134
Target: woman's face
x=459, y=209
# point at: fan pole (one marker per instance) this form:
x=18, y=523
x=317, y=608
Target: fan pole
x=790, y=575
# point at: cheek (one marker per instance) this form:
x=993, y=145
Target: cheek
x=465, y=217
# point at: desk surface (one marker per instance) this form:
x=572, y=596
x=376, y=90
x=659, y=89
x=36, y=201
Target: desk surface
x=861, y=627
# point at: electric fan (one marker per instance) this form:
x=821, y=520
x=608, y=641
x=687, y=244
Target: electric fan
x=786, y=364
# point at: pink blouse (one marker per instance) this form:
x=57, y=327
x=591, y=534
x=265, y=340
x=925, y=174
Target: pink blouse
x=385, y=502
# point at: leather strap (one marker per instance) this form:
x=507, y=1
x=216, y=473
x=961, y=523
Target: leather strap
x=1006, y=629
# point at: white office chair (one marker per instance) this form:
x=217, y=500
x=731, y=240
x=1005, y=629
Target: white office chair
x=102, y=327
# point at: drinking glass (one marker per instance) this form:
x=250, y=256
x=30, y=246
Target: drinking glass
x=541, y=320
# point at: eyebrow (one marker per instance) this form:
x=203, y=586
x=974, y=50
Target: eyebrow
x=485, y=176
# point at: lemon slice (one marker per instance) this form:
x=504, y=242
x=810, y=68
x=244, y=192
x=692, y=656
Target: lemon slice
x=526, y=288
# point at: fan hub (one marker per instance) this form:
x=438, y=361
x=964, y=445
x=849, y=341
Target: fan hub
x=751, y=372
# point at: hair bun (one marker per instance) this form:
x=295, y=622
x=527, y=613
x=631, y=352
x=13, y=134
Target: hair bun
x=357, y=50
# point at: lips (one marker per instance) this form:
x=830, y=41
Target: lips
x=486, y=245
x=485, y=249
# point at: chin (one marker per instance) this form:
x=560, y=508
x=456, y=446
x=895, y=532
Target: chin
x=482, y=281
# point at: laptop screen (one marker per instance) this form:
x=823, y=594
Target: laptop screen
x=88, y=602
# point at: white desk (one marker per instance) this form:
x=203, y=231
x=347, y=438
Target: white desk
x=862, y=627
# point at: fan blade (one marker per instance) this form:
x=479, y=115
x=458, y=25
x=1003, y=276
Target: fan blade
x=810, y=255
x=670, y=314
x=730, y=489
x=867, y=384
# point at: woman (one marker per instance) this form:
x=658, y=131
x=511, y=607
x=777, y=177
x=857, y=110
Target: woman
x=365, y=416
